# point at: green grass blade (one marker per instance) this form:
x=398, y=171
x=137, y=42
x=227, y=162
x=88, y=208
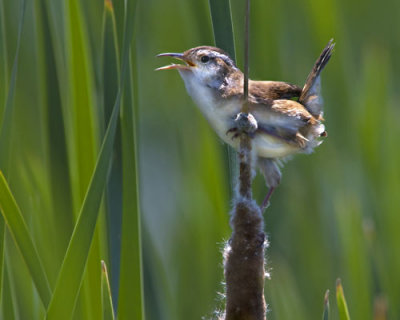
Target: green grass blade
x=19, y=230
x=341, y=302
x=221, y=17
x=2, y=243
x=81, y=116
x=3, y=57
x=6, y=121
x=110, y=61
x=222, y=25
x=5, y=130
x=130, y=304
x=24, y=241
x=131, y=286
x=59, y=213
x=325, y=315
x=110, y=77
x=108, y=310
x=70, y=277
x=80, y=112
x=8, y=301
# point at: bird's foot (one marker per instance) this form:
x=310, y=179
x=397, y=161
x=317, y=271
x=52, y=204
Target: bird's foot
x=245, y=123
x=301, y=140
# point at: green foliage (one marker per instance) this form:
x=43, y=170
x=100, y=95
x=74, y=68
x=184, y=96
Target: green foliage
x=108, y=309
x=325, y=315
x=71, y=273
x=341, y=302
x=19, y=230
x=130, y=282
x=222, y=25
x=167, y=193
x=79, y=111
x=5, y=129
x=221, y=17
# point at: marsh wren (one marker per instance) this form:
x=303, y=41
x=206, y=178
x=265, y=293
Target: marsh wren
x=289, y=118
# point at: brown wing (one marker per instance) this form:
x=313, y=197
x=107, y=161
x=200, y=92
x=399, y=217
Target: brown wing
x=274, y=89
x=283, y=119
x=260, y=90
x=282, y=108
x=292, y=109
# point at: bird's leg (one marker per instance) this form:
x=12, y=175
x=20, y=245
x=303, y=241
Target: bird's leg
x=270, y=170
x=265, y=202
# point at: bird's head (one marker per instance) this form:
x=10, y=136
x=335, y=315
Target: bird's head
x=208, y=66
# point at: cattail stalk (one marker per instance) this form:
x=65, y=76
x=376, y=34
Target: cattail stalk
x=244, y=253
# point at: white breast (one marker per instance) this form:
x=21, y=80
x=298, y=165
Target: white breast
x=221, y=117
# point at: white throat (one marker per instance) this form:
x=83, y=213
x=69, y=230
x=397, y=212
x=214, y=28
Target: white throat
x=219, y=112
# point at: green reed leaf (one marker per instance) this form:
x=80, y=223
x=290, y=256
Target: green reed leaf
x=20, y=233
x=341, y=302
x=108, y=310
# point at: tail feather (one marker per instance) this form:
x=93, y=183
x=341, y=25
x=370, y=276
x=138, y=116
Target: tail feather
x=310, y=95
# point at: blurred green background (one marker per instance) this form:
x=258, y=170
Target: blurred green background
x=336, y=213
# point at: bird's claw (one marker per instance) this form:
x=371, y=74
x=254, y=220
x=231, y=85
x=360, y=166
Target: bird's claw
x=245, y=123
x=234, y=131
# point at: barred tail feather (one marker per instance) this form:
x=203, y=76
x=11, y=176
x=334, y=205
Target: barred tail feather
x=310, y=95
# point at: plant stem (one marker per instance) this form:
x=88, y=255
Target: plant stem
x=244, y=254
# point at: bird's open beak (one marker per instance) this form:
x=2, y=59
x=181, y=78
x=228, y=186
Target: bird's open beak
x=178, y=56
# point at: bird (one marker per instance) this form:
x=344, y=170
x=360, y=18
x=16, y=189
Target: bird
x=289, y=118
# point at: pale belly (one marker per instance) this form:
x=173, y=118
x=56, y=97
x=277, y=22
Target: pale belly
x=221, y=117
x=266, y=146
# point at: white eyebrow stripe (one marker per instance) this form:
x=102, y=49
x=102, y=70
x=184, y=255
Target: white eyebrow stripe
x=224, y=57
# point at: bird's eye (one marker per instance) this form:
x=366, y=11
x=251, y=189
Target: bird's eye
x=205, y=59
